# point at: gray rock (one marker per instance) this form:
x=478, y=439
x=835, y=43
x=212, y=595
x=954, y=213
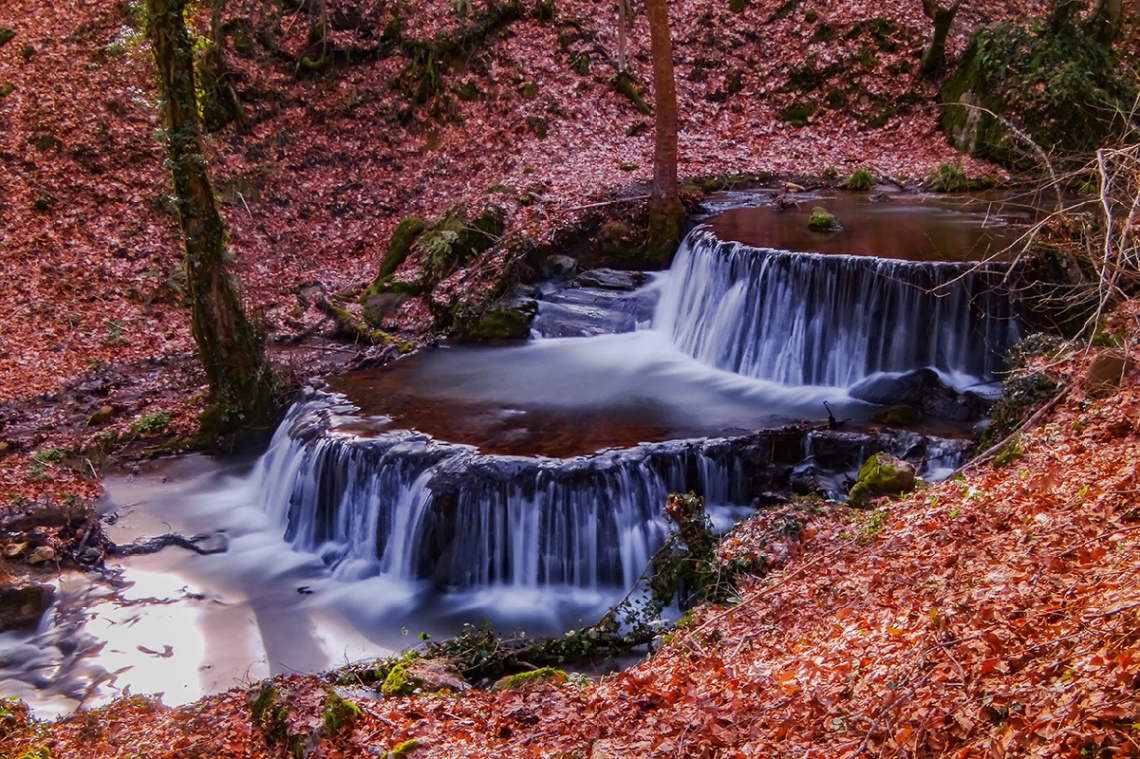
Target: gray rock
x=380, y=306
x=610, y=279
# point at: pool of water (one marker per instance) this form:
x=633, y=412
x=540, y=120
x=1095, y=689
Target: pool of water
x=883, y=225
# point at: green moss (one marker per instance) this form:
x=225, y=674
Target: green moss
x=881, y=474
x=405, y=748
x=821, y=220
x=1063, y=88
x=1020, y=396
x=581, y=64
x=901, y=415
x=623, y=83
x=403, y=237
x=6, y=90
x=798, y=114
x=737, y=6
x=6, y=35
x=535, y=677
x=503, y=323
x=543, y=10
x=951, y=178
x=398, y=682
x=1008, y=454
x=627, y=166
x=339, y=714
x=859, y=180
x=467, y=91
x=529, y=91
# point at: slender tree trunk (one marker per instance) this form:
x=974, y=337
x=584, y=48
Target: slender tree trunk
x=1106, y=20
x=220, y=102
x=243, y=390
x=665, y=209
x=943, y=19
x=623, y=32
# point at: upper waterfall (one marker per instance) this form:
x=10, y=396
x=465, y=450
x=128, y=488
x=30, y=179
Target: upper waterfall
x=831, y=320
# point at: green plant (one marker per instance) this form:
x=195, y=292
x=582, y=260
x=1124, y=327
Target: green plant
x=859, y=180
x=148, y=423
x=114, y=333
x=821, y=220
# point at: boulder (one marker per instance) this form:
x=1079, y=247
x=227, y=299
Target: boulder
x=610, y=279
x=556, y=266
x=380, y=306
x=883, y=474
x=891, y=390
x=22, y=607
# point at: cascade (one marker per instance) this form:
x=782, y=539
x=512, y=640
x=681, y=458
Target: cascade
x=402, y=505
x=832, y=320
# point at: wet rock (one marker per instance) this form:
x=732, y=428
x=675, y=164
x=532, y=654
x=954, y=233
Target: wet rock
x=889, y=390
x=505, y=321
x=610, y=279
x=901, y=415
x=883, y=474
x=22, y=607
x=923, y=390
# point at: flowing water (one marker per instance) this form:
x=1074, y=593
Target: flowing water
x=521, y=485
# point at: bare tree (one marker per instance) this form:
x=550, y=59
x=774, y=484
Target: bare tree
x=244, y=396
x=665, y=210
x=943, y=19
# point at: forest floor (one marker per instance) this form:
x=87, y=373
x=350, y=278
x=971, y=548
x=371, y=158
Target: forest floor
x=990, y=616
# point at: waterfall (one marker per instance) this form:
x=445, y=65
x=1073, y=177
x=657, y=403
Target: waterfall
x=404, y=506
x=408, y=507
x=831, y=320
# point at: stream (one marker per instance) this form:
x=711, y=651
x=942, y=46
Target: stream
x=523, y=485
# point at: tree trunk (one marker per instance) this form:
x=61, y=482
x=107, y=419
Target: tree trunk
x=623, y=31
x=220, y=102
x=943, y=19
x=1106, y=20
x=244, y=394
x=665, y=209
x=1063, y=13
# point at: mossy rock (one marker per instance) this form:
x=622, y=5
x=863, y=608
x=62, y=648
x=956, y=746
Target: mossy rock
x=901, y=415
x=22, y=607
x=822, y=220
x=882, y=474
x=526, y=680
x=423, y=676
x=1063, y=88
x=339, y=714
x=403, y=237
x=1020, y=396
x=503, y=322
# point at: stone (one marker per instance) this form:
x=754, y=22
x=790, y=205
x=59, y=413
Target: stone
x=509, y=321
x=610, y=279
x=822, y=220
x=900, y=415
x=22, y=607
x=893, y=389
x=1109, y=368
x=101, y=416
x=41, y=555
x=380, y=306
x=556, y=266
x=883, y=474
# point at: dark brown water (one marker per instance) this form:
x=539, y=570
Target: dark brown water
x=905, y=227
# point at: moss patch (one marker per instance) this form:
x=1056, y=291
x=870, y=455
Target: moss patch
x=882, y=474
x=822, y=220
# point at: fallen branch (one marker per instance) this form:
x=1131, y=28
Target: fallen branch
x=609, y=202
